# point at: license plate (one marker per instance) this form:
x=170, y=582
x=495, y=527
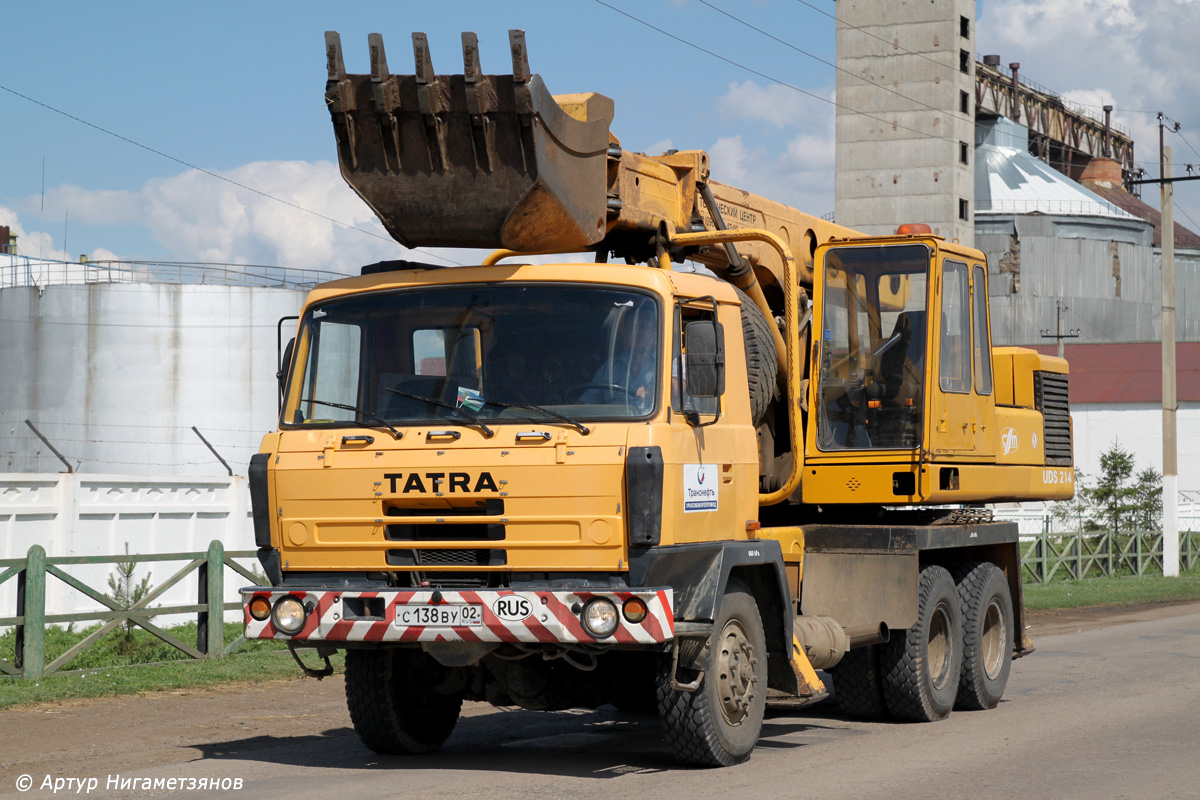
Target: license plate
x=450, y=615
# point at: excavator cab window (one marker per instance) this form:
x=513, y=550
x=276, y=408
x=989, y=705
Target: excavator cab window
x=872, y=347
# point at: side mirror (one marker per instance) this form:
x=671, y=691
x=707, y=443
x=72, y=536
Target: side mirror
x=284, y=364
x=705, y=359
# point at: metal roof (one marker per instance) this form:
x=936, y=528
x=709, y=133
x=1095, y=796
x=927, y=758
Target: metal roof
x=1008, y=180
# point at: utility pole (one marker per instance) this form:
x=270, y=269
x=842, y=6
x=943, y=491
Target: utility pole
x=1062, y=330
x=1170, y=461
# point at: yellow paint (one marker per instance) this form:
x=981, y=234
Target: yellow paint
x=810, y=684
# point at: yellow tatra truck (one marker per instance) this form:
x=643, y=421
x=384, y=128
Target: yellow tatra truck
x=738, y=446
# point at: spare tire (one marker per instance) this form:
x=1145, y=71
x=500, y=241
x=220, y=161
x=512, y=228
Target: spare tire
x=762, y=369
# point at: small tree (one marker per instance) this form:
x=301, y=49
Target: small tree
x=1148, y=499
x=126, y=592
x=1114, y=502
x=1073, y=514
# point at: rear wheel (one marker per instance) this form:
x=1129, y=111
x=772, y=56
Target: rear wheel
x=987, y=613
x=920, y=669
x=718, y=724
x=857, y=684
x=393, y=701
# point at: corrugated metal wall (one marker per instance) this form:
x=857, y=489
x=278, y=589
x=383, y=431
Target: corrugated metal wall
x=1080, y=272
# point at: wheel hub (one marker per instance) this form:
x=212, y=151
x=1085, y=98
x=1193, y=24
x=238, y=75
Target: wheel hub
x=735, y=667
x=994, y=640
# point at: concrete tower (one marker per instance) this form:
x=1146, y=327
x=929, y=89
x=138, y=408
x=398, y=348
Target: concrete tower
x=908, y=68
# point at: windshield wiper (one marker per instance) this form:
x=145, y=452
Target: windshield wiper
x=356, y=410
x=488, y=432
x=580, y=427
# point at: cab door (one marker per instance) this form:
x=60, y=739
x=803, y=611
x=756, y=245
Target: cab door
x=983, y=418
x=953, y=403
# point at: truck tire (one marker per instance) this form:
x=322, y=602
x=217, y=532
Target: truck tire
x=718, y=724
x=857, y=685
x=761, y=365
x=987, y=613
x=921, y=668
x=391, y=705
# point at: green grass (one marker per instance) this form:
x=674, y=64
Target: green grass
x=1120, y=591
x=121, y=664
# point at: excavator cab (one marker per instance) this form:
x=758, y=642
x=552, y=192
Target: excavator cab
x=902, y=371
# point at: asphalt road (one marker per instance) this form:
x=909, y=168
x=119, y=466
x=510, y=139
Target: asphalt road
x=1110, y=712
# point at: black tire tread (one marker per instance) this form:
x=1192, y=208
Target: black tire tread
x=762, y=366
x=858, y=686
x=386, y=721
x=973, y=587
x=903, y=665
x=687, y=720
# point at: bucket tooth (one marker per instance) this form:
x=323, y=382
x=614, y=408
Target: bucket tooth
x=520, y=56
x=471, y=69
x=385, y=96
x=379, y=67
x=480, y=97
x=333, y=56
x=424, y=63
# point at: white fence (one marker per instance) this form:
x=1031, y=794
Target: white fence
x=93, y=515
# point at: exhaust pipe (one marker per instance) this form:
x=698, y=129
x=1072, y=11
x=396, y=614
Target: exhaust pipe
x=864, y=637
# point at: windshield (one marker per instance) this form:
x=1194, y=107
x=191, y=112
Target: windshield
x=460, y=354
x=872, y=381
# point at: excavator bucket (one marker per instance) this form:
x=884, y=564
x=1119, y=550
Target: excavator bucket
x=470, y=160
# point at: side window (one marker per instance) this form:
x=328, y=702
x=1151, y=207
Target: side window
x=983, y=350
x=680, y=400
x=954, y=372
x=334, y=371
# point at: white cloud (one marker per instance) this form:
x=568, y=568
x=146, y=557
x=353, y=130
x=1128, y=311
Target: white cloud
x=39, y=244
x=776, y=105
x=797, y=168
x=196, y=217
x=1135, y=56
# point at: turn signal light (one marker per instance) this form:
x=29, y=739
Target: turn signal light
x=635, y=609
x=260, y=608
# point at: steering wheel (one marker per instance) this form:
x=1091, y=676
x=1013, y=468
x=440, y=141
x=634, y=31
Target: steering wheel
x=573, y=393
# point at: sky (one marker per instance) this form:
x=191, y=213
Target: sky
x=238, y=90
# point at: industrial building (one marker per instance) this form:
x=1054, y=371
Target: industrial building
x=1040, y=186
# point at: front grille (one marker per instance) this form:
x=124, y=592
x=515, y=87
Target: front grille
x=1051, y=399
x=473, y=557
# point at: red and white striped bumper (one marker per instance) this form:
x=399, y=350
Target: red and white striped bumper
x=553, y=616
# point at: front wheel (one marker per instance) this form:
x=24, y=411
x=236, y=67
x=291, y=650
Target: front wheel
x=718, y=724
x=394, y=704
x=921, y=669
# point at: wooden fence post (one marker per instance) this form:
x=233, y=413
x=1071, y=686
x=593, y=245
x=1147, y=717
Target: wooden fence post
x=216, y=600
x=31, y=606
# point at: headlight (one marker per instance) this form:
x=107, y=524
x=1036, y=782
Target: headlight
x=600, y=617
x=260, y=608
x=289, y=615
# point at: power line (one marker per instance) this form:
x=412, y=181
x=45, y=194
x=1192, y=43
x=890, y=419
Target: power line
x=213, y=174
x=741, y=21
x=767, y=77
x=1179, y=133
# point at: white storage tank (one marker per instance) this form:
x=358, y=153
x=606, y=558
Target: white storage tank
x=114, y=363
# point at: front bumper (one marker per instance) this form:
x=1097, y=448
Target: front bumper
x=552, y=616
